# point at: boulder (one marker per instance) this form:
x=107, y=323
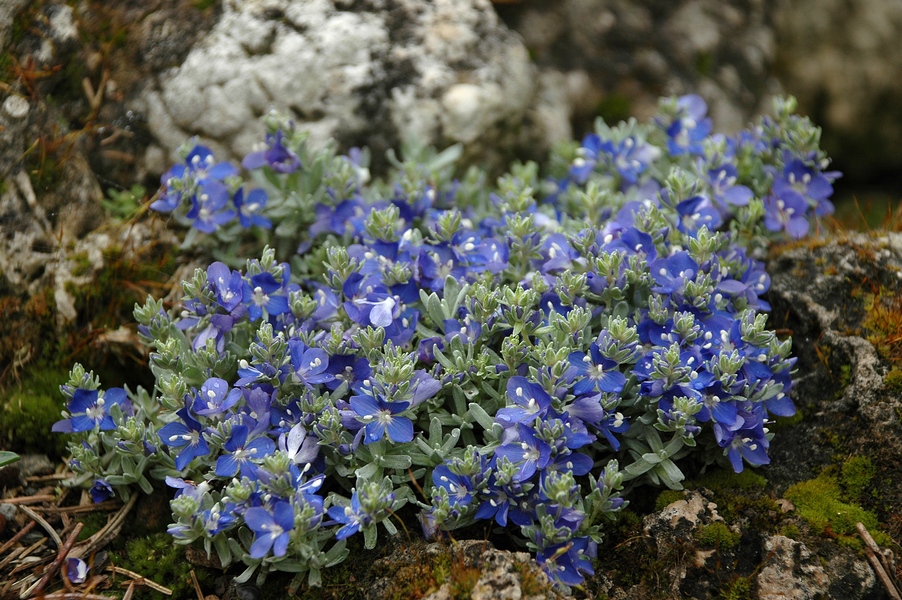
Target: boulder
x=375, y=73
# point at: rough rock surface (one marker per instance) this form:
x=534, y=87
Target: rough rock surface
x=374, y=72
x=620, y=55
x=841, y=300
x=499, y=574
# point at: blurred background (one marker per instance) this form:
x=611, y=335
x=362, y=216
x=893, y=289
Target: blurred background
x=97, y=96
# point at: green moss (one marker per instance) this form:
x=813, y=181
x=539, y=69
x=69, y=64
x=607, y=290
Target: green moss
x=739, y=589
x=893, y=380
x=790, y=531
x=717, y=535
x=819, y=501
x=843, y=379
x=724, y=479
x=29, y=409
x=781, y=423
x=156, y=558
x=666, y=498
x=857, y=474
x=203, y=4
x=93, y=522
x=82, y=264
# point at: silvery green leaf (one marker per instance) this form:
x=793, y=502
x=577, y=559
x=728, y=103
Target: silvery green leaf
x=370, y=535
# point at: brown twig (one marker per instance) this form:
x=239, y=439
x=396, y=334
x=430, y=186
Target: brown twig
x=21, y=553
x=872, y=550
x=50, y=530
x=11, y=542
x=106, y=534
x=200, y=592
x=130, y=591
x=30, y=499
x=53, y=477
x=140, y=579
x=105, y=505
x=60, y=557
x=76, y=596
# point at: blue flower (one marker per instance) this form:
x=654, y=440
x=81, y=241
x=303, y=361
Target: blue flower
x=689, y=129
x=379, y=417
x=787, y=214
x=529, y=453
x=300, y=448
x=352, y=516
x=749, y=442
x=88, y=410
x=215, y=397
x=368, y=504
x=228, y=285
x=565, y=563
x=695, y=213
x=272, y=529
x=248, y=210
x=598, y=372
x=279, y=158
x=201, y=166
x=726, y=192
x=101, y=490
x=630, y=157
x=459, y=488
x=802, y=182
x=530, y=401
x=76, y=570
x=260, y=296
x=208, y=207
x=310, y=364
x=242, y=452
x=187, y=434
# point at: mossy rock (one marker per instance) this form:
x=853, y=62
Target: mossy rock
x=158, y=559
x=820, y=502
x=29, y=409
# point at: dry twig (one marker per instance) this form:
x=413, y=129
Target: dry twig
x=50, y=530
x=106, y=534
x=140, y=579
x=60, y=557
x=30, y=499
x=872, y=550
x=12, y=541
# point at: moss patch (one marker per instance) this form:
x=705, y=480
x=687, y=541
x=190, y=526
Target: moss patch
x=723, y=479
x=717, y=535
x=820, y=502
x=856, y=475
x=29, y=410
x=156, y=558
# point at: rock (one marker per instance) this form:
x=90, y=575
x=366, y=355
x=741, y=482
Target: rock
x=633, y=52
x=790, y=571
x=370, y=73
x=840, y=299
x=484, y=572
x=32, y=465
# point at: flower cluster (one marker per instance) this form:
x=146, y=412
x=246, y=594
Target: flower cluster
x=521, y=355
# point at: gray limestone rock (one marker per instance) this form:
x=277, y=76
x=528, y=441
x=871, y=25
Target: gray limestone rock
x=370, y=73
